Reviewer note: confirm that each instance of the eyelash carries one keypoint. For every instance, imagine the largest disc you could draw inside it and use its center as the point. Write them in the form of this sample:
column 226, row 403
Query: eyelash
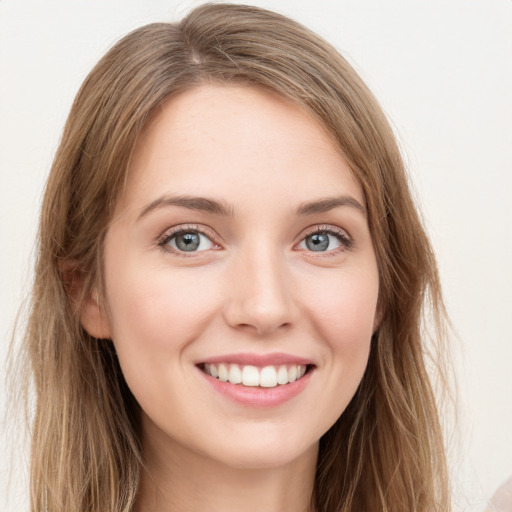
column 164, row 240
column 341, row 235
column 346, row 242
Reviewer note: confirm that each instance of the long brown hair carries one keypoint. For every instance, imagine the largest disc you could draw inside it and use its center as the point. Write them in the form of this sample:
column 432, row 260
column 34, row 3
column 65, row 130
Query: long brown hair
column 386, row 451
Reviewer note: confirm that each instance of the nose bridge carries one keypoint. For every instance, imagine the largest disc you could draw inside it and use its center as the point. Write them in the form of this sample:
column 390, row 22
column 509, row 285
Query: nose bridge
column 260, row 295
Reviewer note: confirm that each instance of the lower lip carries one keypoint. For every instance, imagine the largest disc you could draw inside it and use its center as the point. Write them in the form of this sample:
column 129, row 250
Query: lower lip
column 258, row 396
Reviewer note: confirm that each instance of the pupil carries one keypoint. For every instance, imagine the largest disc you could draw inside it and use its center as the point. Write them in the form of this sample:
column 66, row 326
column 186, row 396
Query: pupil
column 317, row 242
column 188, row 242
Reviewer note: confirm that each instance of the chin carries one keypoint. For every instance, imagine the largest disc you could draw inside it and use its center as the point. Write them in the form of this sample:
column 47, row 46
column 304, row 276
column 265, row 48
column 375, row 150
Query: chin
column 264, row 451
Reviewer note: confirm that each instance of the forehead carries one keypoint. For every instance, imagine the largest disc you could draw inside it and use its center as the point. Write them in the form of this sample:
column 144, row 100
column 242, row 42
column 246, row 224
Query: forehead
column 233, row 140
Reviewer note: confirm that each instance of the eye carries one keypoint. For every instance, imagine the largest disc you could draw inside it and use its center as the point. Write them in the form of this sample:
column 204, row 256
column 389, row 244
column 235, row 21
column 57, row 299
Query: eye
column 187, row 240
column 325, row 240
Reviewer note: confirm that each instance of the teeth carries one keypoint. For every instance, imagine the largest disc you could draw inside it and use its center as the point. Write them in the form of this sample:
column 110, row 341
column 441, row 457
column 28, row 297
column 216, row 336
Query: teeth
column 248, row 375
column 223, row 372
column 282, row 375
column 235, row 374
column 268, row 377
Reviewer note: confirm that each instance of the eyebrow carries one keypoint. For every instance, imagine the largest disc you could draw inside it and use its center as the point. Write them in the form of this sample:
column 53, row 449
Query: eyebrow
column 329, row 203
column 202, row 204
column 208, row 205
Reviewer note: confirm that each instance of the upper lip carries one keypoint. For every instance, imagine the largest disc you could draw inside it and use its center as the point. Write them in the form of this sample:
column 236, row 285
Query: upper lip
column 276, row 358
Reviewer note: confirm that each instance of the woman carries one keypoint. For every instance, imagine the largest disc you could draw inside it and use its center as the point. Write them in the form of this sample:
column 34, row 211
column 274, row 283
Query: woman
column 230, row 285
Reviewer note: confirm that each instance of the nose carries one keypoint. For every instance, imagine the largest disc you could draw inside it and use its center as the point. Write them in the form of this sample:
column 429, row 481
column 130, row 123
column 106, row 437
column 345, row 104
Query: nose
column 259, row 298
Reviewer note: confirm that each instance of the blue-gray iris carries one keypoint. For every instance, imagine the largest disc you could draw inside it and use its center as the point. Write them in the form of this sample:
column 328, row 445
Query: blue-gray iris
column 317, row 242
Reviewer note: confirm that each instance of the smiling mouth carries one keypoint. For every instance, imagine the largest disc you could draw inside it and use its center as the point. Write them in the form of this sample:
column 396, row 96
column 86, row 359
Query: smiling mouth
column 254, row 376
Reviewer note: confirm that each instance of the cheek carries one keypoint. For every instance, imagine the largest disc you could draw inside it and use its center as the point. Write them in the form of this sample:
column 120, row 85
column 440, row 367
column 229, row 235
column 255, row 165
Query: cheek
column 344, row 309
column 155, row 315
column 156, row 307
column 343, row 314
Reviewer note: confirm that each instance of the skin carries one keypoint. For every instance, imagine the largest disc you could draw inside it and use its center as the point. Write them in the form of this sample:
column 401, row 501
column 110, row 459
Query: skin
column 255, row 286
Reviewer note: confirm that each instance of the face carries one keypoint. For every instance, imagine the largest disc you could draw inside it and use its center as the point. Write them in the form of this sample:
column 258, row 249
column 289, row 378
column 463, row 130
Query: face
column 239, row 251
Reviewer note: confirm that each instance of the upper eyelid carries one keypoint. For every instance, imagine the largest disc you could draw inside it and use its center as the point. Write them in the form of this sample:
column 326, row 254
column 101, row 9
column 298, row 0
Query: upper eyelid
column 321, row 228
column 345, row 239
column 163, row 240
column 184, row 228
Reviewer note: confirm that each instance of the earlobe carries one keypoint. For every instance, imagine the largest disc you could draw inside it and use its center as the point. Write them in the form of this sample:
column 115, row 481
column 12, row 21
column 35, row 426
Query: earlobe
column 376, row 322
column 379, row 316
column 93, row 316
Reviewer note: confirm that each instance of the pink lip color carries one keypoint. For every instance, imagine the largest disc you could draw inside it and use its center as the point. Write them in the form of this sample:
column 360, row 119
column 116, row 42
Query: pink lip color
column 257, row 396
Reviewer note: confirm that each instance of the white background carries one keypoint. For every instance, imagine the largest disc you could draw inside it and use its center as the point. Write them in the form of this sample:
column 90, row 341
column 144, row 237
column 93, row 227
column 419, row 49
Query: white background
column 442, row 70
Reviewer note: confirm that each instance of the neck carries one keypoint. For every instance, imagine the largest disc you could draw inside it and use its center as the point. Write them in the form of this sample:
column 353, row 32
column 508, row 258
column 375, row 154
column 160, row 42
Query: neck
column 176, row 479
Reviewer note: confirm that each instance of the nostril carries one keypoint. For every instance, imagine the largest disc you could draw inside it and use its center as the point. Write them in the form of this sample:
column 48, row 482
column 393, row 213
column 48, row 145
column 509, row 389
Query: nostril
column 262, row 328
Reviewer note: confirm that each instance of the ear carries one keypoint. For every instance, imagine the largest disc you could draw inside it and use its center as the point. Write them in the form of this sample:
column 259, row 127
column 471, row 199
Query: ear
column 93, row 316
column 379, row 315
